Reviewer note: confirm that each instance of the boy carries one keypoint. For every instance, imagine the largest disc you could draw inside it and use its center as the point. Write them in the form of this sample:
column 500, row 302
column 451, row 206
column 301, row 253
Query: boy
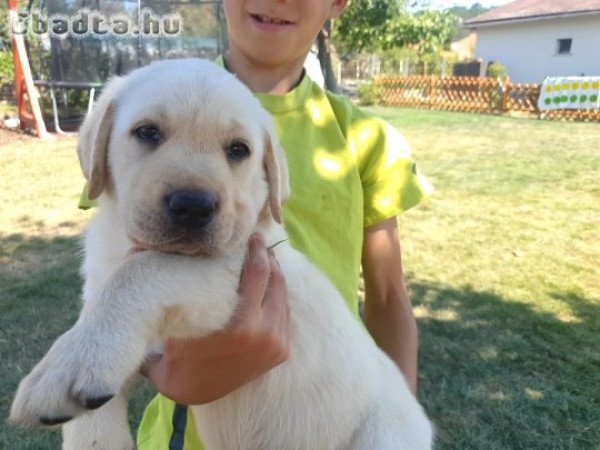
column 351, row 174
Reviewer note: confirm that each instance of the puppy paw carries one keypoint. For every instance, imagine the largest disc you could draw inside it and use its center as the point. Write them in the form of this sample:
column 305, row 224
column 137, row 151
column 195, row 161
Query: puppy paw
column 74, row 377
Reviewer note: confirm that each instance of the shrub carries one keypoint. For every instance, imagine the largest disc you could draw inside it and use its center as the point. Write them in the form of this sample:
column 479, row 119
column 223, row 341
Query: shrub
column 370, row 94
column 7, row 69
column 497, row 70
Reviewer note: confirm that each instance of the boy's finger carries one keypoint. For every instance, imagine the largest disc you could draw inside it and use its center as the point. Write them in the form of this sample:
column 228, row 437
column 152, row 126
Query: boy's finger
column 274, row 302
column 255, row 276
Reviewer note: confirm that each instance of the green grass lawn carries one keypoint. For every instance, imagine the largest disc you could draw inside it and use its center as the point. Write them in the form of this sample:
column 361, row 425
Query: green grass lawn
column 503, row 263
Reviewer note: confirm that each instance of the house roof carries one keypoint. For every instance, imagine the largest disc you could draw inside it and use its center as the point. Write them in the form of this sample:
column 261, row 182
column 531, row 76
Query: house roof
column 520, row 10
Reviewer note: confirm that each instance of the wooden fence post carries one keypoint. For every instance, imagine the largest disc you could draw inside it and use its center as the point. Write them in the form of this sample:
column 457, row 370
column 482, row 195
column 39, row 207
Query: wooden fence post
column 432, row 91
column 506, row 88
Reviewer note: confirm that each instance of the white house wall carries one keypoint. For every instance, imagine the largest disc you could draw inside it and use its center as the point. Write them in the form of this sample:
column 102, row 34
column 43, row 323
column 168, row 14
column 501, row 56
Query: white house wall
column 529, row 50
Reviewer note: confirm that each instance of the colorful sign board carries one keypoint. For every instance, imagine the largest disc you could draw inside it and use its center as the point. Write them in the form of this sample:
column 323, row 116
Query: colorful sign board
column 570, row 93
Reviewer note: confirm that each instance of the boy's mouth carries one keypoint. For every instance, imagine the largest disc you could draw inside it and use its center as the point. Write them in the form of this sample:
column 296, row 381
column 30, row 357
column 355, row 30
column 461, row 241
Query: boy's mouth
column 269, row 20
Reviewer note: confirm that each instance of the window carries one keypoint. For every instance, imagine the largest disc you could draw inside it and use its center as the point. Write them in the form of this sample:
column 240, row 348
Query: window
column 564, row 46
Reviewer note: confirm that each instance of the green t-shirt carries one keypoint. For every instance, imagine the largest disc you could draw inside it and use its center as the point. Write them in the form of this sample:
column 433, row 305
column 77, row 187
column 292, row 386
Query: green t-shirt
column 348, row 170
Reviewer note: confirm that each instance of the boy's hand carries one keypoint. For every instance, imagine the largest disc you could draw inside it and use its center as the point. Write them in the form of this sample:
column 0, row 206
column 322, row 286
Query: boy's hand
column 202, row 370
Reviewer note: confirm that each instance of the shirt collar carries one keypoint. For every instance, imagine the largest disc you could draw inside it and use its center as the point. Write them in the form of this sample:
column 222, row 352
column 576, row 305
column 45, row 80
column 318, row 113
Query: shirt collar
column 277, row 104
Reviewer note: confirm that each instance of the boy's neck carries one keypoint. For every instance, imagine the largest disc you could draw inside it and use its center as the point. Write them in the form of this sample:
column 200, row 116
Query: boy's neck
column 263, row 78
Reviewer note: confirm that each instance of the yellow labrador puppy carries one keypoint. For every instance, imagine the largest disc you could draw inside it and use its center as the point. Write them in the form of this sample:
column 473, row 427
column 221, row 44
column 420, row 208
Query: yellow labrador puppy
column 185, row 164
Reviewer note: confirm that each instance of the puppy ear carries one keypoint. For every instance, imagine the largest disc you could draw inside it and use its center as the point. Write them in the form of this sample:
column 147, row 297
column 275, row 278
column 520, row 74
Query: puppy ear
column 277, row 175
column 94, row 137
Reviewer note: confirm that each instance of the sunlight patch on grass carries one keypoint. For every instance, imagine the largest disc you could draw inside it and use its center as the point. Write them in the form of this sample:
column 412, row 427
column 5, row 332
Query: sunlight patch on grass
column 499, row 395
column 43, row 182
column 423, row 312
column 533, row 394
column 488, row 352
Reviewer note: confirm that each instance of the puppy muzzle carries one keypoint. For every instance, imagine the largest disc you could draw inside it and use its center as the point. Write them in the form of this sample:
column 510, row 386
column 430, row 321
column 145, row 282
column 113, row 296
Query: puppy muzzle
column 191, row 210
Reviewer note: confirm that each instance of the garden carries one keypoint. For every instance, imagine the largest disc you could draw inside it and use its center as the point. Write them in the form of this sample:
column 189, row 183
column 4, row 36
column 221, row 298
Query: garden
column 503, row 263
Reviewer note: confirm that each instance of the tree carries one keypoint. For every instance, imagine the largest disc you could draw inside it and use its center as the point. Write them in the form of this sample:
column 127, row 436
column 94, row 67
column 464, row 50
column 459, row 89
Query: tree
column 357, row 25
column 379, row 25
column 324, row 47
column 7, row 73
column 365, row 23
column 5, row 36
column 466, row 13
column 372, row 25
column 428, row 31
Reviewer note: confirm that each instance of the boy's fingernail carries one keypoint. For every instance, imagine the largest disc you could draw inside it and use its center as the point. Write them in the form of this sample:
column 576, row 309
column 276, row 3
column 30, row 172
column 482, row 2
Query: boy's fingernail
column 256, row 248
column 254, row 242
column 257, row 238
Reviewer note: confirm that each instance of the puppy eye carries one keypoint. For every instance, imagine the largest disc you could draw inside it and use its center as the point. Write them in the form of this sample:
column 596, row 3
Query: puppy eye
column 148, row 133
column 237, row 151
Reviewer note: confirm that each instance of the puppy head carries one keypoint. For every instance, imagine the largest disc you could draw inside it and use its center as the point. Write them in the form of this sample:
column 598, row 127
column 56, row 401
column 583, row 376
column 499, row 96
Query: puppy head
column 185, row 155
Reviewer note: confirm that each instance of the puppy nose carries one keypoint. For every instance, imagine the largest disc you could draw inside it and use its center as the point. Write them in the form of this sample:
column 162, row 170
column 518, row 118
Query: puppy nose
column 192, row 209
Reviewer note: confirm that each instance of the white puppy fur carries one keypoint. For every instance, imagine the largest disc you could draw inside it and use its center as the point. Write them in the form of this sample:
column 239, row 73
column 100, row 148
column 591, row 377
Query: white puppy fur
column 336, row 391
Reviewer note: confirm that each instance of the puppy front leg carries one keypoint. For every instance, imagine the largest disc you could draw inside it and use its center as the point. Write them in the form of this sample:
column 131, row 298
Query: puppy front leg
column 105, row 428
column 89, row 364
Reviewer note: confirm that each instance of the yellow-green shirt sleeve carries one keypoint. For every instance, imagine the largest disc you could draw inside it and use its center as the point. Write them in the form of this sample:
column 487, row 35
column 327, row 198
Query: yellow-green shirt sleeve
column 84, row 201
column 390, row 179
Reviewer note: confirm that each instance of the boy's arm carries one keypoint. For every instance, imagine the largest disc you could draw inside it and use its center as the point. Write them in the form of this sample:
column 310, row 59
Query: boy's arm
column 388, row 312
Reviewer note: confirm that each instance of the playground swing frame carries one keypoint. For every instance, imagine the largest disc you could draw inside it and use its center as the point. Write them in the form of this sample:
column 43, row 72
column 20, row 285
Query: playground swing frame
column 26, row 86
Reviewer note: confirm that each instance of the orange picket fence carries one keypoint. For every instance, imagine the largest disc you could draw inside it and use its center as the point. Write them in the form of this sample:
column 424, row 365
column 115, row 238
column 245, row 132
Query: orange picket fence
column 470, row 94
